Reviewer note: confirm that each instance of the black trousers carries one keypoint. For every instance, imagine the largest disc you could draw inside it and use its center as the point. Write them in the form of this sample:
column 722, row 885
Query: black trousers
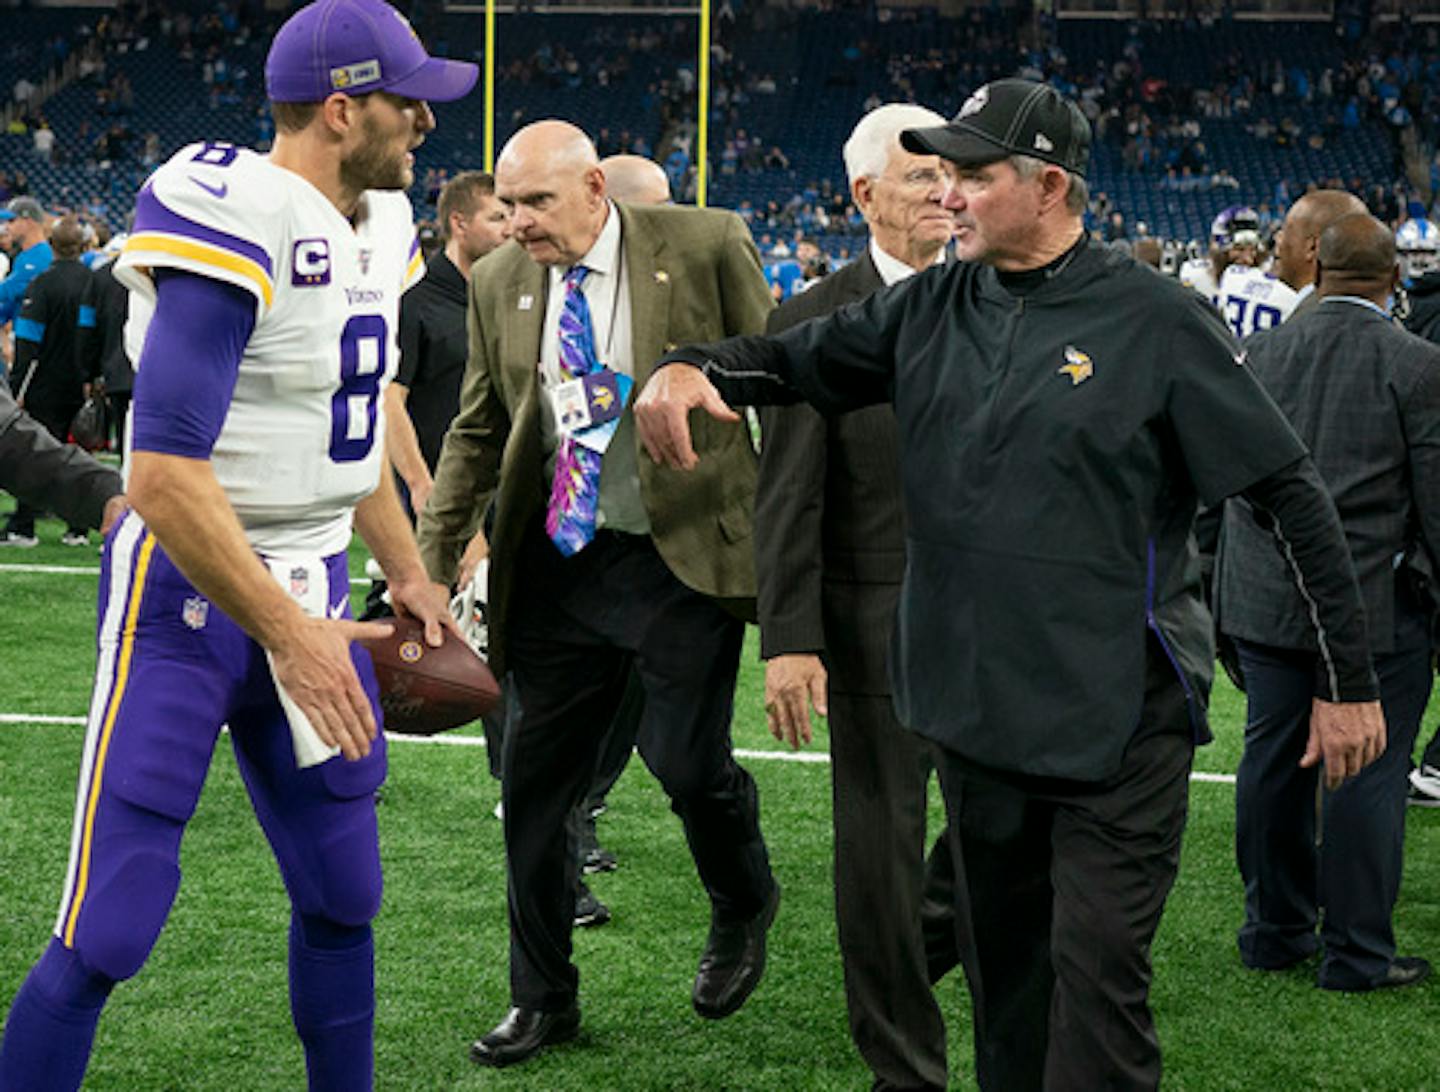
column 581, row 624
column 1063, row 884
column 120, row 407
column 891, row 953
column 57, row 422
column 619, row 742
column 1352, row 870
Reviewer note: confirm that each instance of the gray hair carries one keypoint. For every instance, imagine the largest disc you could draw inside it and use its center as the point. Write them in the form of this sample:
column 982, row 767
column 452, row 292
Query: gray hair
column 877, row 135
column 1076, row 201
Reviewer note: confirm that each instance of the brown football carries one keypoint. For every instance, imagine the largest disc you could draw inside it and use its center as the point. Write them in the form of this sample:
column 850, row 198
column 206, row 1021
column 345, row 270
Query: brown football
column 426, row 690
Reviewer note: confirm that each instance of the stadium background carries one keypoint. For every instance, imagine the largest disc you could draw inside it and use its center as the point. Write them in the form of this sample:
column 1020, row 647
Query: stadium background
column 1259, row 100
column 1197, row 105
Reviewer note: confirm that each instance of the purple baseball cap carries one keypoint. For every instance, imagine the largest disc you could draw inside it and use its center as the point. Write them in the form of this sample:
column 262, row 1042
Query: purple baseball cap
column 357, row 46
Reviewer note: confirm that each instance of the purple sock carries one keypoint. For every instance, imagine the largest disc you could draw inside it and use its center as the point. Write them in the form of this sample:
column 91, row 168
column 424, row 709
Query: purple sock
column 52, row 1024
column 332, row 1000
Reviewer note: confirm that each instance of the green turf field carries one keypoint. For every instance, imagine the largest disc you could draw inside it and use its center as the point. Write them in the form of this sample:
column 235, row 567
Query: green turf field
column 210, row 1012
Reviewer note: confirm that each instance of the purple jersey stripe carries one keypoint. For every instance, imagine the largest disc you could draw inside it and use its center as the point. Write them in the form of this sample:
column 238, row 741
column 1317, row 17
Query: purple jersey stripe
column 152, row 215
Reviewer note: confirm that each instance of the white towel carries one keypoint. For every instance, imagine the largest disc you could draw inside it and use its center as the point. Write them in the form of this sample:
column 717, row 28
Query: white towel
column 307, row 580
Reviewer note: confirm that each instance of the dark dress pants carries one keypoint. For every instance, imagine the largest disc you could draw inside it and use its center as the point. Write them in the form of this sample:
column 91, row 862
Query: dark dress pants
column 120, row 407
column 879, row 771
column 1354, row 871
column 1062, row 887
column 56, row 420
column 619, row 742
column 580, row 625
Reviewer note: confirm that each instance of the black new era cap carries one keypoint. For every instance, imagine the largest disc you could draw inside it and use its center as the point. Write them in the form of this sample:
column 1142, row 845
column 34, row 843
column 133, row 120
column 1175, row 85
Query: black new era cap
column 1009, row 117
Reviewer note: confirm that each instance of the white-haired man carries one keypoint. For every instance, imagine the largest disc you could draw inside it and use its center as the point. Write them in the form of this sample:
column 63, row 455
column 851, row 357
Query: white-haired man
column 830, row 555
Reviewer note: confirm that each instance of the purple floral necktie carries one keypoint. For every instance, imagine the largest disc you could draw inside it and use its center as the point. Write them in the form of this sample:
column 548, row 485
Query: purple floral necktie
column 575, row 490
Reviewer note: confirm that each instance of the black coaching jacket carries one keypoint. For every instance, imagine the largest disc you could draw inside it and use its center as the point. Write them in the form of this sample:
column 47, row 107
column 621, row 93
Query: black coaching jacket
column 1054, row 440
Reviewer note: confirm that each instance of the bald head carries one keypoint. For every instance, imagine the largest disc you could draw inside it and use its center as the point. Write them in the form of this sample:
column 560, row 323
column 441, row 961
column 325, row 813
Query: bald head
column 553, row 143
column 635, row 180
column 1298, row 245
column 548, row 176
column 1318, row 210
column 1356, row 257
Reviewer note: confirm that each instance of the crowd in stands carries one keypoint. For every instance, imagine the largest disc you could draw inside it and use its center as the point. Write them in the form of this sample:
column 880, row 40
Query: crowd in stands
column 1162, row 125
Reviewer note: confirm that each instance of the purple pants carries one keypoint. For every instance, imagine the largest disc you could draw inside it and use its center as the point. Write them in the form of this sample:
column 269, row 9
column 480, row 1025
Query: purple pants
column 172, row 669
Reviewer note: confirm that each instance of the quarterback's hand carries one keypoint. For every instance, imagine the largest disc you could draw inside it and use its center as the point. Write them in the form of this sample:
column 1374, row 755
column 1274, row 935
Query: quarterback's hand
column 313, row 665
column 426, row 602
column 662, row 413
column 793, row 683
column 420, row 491
column 1347, row 736
column 476, row 551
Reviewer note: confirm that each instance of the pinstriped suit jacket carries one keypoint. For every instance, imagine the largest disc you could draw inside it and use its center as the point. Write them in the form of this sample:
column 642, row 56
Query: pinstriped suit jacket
column 829, row 522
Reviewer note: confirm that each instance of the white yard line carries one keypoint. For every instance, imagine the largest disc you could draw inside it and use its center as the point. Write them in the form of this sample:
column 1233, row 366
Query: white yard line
column 94, row 570
column 63, row 570
column 813, row 758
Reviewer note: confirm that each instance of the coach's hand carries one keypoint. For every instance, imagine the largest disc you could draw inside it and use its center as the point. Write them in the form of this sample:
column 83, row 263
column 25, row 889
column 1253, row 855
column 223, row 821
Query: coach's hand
column 793, row 683
column 1347, row 736
column 313, row 664
column 662, row 413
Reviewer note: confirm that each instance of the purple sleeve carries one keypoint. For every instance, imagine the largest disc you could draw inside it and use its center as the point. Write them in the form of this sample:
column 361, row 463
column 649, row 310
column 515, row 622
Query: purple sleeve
column 187, row 368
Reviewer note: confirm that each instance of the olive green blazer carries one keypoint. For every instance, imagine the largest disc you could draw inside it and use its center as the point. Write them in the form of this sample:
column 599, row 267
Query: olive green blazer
column 694, row 276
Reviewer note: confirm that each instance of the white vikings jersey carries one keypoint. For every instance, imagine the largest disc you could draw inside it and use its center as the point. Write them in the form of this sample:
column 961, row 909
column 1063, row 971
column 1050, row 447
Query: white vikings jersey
column 1250, row 300
column 1195, row 273
column 303, row 440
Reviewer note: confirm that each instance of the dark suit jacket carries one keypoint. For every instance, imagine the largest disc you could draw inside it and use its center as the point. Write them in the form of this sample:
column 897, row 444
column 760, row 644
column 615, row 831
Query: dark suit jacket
column 828, row 515
column 694, row 275
column 1364, row 395
column 1304, row 307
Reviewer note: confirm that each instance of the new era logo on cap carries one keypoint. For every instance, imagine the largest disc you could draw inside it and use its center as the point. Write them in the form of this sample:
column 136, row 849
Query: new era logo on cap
column 975, row 103
column 1005, row 118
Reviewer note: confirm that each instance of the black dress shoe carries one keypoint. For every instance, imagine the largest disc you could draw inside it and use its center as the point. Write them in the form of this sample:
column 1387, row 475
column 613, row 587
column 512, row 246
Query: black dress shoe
column 1403, row 971
column 522, row 1033
column 733, row 962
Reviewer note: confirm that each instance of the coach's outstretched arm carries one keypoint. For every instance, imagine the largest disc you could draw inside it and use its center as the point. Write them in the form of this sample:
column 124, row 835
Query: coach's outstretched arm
column 39, row 469
column 842, row 361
